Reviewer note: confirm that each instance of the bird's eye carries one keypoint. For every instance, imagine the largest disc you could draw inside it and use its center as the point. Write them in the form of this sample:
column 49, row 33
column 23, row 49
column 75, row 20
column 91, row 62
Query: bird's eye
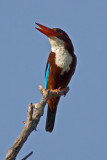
column 59, row 31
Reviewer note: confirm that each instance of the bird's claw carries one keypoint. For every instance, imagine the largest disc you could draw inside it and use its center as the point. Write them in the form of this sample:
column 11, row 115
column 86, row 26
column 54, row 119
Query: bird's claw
column 64, row 90
column 60, row 89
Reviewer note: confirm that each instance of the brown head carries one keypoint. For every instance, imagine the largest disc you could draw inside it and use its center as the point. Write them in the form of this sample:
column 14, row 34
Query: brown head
column 56, row 33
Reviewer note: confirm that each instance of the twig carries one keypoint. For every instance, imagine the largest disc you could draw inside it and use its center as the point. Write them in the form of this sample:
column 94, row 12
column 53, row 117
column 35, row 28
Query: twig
column 27, row 156
column 35, row 111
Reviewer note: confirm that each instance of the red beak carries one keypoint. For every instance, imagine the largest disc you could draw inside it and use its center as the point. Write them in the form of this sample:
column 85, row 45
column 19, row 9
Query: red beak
column 47, row 31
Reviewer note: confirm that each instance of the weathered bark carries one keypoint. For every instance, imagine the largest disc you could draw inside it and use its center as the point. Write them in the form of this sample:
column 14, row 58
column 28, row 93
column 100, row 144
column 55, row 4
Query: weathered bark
column 35, row 111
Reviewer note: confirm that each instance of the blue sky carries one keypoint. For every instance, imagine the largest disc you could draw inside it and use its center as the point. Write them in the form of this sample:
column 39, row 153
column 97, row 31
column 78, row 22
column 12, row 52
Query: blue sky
column 80, row 131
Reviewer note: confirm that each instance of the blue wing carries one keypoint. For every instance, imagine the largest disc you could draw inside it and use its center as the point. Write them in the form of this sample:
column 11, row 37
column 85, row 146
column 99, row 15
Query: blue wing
column 46, row 74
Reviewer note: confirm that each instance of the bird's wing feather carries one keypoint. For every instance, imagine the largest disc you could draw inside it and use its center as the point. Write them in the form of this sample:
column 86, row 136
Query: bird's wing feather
column 47, row 74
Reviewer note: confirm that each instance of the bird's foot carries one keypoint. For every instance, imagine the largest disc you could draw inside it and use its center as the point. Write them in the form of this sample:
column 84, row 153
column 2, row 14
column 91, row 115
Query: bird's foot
column 55, row 90
column 60, row 89
column 64, row 90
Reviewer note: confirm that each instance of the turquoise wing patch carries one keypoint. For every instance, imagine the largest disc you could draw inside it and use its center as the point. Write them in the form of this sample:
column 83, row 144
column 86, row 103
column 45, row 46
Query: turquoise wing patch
column 46, row 75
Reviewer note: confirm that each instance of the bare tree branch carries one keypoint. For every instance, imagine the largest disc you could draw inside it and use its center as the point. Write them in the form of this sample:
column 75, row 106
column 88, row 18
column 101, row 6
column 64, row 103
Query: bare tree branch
column 27, row 156
column 35, row 111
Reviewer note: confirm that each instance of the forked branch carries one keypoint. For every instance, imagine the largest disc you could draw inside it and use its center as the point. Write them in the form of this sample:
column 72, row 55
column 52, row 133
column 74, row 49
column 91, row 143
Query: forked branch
column 35, row 111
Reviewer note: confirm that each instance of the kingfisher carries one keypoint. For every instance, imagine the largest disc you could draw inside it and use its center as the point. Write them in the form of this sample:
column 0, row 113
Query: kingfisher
column 60, row 67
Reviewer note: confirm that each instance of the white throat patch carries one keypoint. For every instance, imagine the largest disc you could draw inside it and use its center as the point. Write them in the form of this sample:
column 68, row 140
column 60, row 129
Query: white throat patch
column 63, row 58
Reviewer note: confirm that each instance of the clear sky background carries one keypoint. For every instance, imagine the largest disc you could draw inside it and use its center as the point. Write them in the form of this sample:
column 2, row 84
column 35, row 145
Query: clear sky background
column 80, row 131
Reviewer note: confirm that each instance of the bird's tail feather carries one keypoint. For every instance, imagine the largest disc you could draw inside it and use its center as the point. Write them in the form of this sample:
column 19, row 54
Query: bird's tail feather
column 50, row 120
column 51, row 113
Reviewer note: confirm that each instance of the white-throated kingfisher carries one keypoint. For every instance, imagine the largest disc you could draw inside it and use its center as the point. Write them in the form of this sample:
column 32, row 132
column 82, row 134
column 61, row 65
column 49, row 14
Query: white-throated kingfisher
column 60, row 67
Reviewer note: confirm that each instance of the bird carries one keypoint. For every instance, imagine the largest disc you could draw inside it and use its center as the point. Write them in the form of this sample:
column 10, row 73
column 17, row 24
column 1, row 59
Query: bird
column 60, row 67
